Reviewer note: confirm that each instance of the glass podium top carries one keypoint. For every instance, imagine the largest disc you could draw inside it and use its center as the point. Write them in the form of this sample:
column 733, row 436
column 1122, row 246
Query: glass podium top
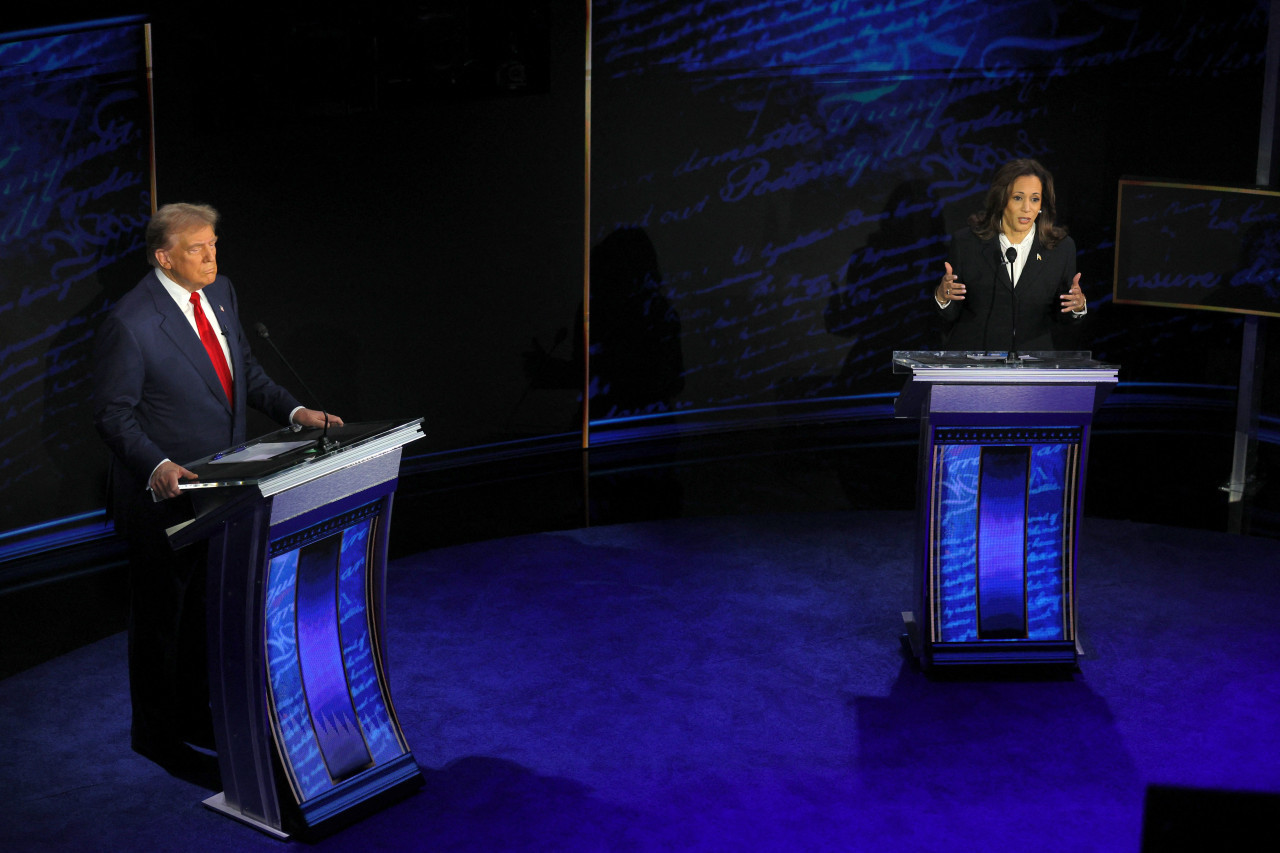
column 922, row 361
column 1000, row 382
column 294, row 453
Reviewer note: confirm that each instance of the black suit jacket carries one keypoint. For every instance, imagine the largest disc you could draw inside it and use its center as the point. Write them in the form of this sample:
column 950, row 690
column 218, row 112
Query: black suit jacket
column 984, row 319
column 156, row 394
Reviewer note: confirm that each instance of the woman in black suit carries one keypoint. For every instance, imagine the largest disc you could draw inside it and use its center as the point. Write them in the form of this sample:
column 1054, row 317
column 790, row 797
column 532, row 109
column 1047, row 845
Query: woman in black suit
column 1011, row 275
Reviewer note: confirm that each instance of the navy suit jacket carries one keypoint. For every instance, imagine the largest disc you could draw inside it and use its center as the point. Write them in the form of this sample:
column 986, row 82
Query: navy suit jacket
column 156, row 394
column 984, row 319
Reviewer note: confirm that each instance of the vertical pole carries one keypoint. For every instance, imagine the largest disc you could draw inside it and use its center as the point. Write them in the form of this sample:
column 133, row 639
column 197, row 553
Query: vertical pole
column 151, row 115
column 1266, row 133
column 586, row 293
column 1248, row 400
column 586, row 253
column 1249, row 393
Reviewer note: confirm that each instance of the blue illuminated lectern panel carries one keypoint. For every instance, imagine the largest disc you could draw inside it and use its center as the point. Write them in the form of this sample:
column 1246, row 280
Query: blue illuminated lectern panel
column 306, row 732
column 1000, row 560
column 330, row 708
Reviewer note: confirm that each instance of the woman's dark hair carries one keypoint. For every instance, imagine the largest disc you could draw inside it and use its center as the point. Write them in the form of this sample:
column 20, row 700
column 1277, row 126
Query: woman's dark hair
column 987, row 224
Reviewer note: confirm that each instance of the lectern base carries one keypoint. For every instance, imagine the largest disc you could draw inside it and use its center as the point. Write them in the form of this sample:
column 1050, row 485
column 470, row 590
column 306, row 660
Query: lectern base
column 218, row 802
column 979, row 653
column 911, row 637
column 346, row 803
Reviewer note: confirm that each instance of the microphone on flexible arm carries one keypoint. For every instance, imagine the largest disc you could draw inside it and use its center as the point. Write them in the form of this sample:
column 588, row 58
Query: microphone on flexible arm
column 326, row 443
column 1011, row 255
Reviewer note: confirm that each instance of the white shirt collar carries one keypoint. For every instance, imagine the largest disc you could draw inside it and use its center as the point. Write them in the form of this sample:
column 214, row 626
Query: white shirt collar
column 1023, row 247
column 180, row 294
column 182, row 297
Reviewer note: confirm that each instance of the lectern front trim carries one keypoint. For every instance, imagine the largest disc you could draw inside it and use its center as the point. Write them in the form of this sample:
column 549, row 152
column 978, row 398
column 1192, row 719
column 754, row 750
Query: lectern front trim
column 341, row 484
column 337, row 460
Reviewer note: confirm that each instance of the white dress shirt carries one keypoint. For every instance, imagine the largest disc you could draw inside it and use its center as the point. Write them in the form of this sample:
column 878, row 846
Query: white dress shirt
column 1023, row 249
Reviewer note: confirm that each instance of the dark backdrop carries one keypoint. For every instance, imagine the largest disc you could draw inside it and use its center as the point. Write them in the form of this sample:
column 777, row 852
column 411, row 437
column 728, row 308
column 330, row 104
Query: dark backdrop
column 402, row 192
column 401, row 218
column 799, row 166
column 402, row 187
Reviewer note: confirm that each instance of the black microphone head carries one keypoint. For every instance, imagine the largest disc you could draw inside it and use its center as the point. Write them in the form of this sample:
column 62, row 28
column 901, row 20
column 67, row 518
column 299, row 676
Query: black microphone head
column 1011, row 254
column 262, row 330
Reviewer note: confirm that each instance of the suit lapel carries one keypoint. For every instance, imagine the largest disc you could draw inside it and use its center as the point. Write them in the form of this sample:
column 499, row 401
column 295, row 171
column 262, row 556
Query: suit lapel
column 1035, row 266
column 174, row 326
column 1032, row 270
column 995, row 258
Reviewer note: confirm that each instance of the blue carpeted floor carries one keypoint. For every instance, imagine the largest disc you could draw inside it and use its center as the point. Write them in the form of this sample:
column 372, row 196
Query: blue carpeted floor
column 734, row 684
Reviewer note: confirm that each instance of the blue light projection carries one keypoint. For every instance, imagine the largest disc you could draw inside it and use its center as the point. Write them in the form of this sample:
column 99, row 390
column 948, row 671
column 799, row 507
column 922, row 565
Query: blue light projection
column 292, row 722
column 1049, row 502
column 382, row 738
column 1025, row 523
column 332, row 716
column 955, row 580
column 799, row 165
column 1002, row 543
column 75, row 195
column 320, row 653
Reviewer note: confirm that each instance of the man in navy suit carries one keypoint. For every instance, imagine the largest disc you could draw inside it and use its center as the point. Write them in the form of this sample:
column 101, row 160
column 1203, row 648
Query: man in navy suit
column 173, row 377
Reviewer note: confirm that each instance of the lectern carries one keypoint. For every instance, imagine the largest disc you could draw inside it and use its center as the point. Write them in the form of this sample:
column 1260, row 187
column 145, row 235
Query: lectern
column 297, row 523
column 1000, row 489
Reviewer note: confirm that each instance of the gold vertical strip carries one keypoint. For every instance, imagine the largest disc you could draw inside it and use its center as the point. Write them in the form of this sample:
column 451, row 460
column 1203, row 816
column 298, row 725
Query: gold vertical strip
column 375, row 586
column 151, row 113
column 1070, row 496
column 586, row 250
column 935, row 526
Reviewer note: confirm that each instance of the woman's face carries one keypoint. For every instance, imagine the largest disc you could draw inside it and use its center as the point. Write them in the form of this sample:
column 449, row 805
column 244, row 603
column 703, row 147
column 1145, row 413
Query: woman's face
column 1023, row 208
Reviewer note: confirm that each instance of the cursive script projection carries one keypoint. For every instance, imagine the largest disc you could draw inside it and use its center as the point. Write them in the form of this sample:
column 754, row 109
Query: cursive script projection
column 799, row 166
column 1199, row 247
column 74, row 200
column 291, row 717
column 1046, row 572
column 956, row 543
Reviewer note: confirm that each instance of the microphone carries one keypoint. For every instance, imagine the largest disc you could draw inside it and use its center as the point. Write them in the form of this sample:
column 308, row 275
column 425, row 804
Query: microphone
column 1011, row 255
column 326, row 443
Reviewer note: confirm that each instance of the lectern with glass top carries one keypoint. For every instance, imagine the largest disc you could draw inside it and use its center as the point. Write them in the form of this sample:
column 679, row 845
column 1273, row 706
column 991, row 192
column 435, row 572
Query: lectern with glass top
column 1000, row 490
column 297, row 523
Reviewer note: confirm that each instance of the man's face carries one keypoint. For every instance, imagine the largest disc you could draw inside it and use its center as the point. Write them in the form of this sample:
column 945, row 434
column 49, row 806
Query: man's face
column 192, row 259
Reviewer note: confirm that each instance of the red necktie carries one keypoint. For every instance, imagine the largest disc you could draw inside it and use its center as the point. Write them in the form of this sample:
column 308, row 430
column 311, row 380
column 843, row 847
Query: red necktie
column 211, row 345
